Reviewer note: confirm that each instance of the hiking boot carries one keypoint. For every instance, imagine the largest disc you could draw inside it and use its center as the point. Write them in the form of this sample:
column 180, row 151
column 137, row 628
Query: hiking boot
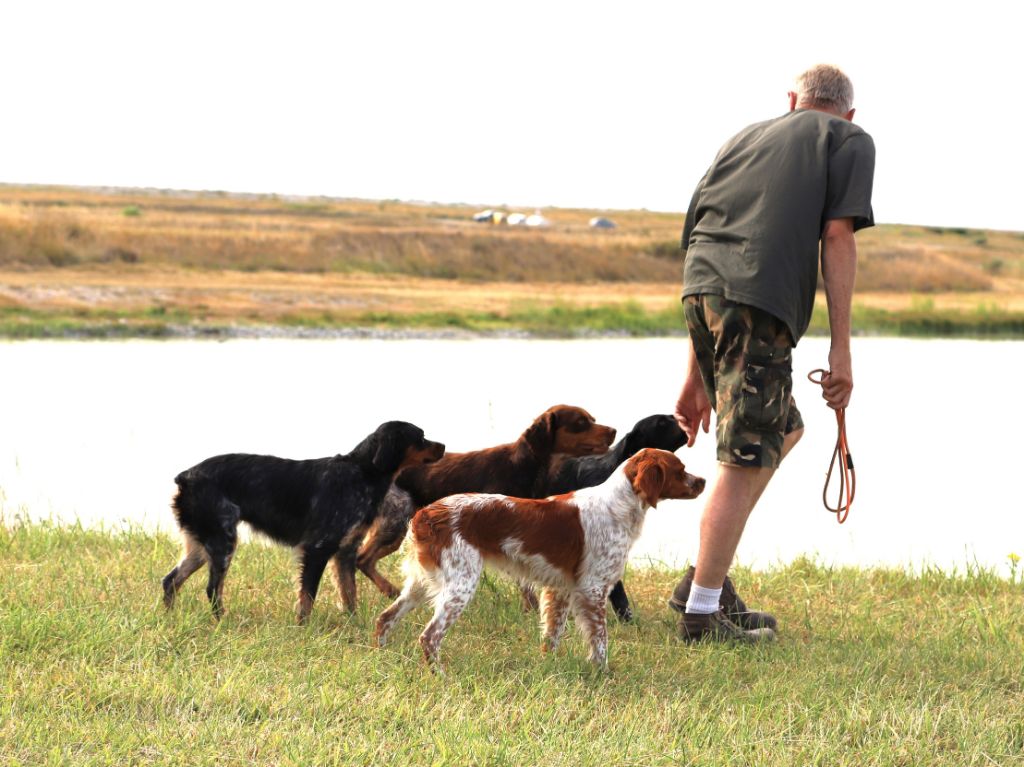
column 716, row 627
column 730, row 602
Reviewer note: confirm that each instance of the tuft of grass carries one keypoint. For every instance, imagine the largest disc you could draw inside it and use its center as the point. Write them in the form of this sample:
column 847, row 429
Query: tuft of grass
column 879, row 667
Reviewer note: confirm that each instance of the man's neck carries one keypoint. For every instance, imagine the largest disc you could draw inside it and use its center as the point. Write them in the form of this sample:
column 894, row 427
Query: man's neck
column 826, row 110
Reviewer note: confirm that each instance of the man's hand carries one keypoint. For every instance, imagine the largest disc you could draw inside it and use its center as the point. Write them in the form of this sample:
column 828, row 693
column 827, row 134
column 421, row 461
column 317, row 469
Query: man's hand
column 837, row 386
column 693, row 409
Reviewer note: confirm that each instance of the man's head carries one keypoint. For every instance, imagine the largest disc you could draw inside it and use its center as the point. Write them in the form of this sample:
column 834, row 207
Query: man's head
column 824, row 88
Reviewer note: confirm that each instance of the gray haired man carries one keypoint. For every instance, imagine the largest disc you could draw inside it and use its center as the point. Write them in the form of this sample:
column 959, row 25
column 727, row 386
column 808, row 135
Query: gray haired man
column 780, row 196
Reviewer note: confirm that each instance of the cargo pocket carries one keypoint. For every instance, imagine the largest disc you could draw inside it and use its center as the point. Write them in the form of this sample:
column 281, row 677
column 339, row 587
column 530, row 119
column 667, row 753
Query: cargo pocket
column 767, row 385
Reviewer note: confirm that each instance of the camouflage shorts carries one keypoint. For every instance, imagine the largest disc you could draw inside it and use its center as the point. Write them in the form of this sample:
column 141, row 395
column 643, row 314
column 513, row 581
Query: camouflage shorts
column 745, row 358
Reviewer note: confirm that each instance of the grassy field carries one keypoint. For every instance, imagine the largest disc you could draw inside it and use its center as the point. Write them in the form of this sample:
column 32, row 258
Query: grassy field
column 871, row 668
column 148, row 263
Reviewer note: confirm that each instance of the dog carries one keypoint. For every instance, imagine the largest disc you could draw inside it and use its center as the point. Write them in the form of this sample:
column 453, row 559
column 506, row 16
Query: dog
column 511, row 469
column 321, row 506
column 567, row 473
column 574, row 546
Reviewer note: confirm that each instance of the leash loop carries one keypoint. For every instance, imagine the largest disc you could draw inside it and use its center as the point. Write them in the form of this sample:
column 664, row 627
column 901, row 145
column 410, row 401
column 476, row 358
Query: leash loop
column 841, row 453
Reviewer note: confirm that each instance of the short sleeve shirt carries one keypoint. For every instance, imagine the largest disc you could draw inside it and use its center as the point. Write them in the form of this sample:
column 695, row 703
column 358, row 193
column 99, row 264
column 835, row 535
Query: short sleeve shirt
column 755, row 221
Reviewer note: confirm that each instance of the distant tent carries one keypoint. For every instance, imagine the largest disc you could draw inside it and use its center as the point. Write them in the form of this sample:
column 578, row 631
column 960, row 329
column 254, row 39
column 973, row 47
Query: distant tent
column 489, row 217
column 537, row 220
column 600, row 222
column 515, row 219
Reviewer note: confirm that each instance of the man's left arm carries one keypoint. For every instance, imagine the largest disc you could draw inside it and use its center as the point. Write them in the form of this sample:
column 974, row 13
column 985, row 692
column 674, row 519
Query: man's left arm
column 838, row 271
column 851, row 173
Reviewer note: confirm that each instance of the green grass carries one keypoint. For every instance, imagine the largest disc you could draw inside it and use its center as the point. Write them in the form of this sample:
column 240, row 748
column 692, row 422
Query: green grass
column 871, row 668
column 922, row 319
column 24, row 323
column 560, row 320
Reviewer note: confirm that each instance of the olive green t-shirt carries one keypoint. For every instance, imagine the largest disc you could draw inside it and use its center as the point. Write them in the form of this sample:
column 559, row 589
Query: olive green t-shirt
column 754, row 224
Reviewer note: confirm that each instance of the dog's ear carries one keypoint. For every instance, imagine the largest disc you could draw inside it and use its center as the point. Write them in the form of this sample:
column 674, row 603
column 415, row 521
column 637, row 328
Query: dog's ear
column 632, row 442
column 541, row 434
column 673, row 432
column 651, row 482
column 388, row 455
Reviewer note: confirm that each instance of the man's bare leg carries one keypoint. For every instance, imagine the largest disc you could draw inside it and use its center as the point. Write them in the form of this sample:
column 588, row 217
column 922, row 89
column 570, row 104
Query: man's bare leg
column 733, row 496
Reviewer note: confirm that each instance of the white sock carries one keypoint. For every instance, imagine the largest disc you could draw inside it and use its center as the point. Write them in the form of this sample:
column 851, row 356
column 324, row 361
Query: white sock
column 702, row 600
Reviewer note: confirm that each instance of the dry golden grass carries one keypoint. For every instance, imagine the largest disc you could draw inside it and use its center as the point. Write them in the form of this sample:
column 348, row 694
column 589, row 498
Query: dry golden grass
column 62, row 228
column 263, row 258
column 271, row 296
column 914, row 259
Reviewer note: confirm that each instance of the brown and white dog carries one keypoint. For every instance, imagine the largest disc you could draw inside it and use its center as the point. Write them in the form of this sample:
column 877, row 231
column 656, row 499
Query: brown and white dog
column 514, row 468
column 574, row 546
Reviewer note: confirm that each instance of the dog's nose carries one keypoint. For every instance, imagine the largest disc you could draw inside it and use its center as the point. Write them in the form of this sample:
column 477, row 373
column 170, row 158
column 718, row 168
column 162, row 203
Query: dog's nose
column 698, row 484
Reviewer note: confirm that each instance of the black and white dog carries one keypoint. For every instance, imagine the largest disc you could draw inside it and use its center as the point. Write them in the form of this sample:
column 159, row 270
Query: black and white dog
column 322, row 507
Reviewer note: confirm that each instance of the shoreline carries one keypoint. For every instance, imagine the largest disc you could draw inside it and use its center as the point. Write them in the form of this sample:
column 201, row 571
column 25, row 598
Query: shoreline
column 919, row 328
column 285, row 332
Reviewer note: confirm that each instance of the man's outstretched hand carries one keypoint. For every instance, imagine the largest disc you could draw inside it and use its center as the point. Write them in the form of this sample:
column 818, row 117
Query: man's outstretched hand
column 693, row 410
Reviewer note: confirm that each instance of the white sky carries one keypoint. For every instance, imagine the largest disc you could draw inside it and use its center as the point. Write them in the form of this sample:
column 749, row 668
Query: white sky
column 605, row 105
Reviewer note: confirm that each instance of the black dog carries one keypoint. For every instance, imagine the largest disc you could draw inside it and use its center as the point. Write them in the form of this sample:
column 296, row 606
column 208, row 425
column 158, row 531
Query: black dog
column 322, row 507
column 568, row 473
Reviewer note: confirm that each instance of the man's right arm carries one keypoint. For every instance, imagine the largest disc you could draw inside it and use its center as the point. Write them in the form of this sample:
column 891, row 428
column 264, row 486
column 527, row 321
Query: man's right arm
column 693, row 409
column 691, row 215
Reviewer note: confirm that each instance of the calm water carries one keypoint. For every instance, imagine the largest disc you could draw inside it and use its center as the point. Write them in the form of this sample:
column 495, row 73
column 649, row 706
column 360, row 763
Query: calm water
column 97, row 431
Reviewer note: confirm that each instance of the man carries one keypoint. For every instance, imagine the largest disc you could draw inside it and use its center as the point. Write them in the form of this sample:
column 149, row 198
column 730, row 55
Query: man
column 778, row 193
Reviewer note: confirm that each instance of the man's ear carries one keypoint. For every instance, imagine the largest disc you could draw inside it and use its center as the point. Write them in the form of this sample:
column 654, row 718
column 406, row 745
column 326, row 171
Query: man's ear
column 793, row 96
column 849, row 115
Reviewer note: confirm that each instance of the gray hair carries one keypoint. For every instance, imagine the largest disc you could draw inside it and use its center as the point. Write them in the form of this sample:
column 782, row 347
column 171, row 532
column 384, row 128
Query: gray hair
column 825, row 86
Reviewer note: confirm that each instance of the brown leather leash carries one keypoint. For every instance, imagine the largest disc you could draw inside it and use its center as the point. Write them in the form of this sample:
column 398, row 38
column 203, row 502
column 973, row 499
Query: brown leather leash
column 847, row 475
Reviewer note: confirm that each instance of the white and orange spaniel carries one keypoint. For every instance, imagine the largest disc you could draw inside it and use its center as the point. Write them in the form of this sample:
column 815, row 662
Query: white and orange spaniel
column 574, row 546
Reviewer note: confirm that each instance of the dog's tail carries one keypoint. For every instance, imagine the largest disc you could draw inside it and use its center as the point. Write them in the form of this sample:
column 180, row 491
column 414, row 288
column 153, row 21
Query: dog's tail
column 414, row 570
column 182, row 504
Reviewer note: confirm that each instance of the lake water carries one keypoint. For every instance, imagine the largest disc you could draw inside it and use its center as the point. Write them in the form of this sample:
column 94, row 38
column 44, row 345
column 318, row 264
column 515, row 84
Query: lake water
column 96, row 431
